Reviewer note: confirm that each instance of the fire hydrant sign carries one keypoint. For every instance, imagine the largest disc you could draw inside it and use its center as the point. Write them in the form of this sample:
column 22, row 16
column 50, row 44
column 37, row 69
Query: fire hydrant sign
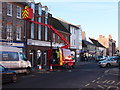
column 27, row 13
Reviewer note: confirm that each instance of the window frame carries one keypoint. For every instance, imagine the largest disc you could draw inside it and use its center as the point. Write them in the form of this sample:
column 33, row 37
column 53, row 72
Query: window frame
column 9, row 9
column 18, row 33
column 9, row 32
column 19, row 12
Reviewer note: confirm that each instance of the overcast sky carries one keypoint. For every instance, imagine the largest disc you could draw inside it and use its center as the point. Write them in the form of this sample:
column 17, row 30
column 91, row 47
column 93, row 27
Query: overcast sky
column 96, row 17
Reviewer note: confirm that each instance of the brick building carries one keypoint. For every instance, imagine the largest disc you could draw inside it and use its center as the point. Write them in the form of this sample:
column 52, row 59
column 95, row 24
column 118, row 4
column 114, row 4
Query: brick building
column 12, row 30
column 109, row 43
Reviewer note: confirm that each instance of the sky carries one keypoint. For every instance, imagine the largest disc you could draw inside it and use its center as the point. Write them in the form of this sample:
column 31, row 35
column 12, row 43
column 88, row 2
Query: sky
column 96, row 17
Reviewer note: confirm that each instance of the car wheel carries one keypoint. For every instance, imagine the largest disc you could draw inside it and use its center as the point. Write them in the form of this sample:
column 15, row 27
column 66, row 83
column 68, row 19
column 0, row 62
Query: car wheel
column 28, row 71
column 108, row 65
column 14, row 78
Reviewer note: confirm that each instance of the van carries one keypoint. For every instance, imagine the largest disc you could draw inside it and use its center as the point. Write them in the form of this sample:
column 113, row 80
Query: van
column 13, row 58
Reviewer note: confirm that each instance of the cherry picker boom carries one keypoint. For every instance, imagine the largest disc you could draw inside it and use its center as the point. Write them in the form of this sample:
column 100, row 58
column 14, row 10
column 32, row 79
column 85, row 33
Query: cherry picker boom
column 57, row 57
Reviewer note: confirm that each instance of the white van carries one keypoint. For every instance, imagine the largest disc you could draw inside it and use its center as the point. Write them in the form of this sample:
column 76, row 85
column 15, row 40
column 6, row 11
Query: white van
column 13, row 58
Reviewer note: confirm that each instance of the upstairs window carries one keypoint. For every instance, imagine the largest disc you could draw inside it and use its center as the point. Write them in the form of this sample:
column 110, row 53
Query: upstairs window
column 18, row 12
column 9, row 31
column 18, row 33
column 9, row 9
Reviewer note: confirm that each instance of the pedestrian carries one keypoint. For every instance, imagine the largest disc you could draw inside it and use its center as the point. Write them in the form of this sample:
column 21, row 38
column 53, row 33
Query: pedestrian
column 85, row 57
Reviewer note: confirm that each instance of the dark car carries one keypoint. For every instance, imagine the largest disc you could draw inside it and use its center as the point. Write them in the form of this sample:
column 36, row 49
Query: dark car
column 7, row 75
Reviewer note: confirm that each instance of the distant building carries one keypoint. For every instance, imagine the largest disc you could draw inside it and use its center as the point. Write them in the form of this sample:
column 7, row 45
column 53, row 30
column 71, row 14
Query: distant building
column 83, row 35
column 99, row 49
column 75, row 37
column 103, row 40
column 109, row 43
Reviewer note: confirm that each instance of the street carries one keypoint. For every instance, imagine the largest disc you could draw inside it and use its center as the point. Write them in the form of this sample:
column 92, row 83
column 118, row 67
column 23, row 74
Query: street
column 84, row 75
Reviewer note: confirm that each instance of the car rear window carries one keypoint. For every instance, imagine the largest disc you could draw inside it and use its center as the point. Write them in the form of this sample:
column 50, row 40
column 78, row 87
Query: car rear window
column 9, row 56
column 100, row 56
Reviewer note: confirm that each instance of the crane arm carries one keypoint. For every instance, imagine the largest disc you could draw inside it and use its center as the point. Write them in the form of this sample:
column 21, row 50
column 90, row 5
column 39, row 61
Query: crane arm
column 54, row 30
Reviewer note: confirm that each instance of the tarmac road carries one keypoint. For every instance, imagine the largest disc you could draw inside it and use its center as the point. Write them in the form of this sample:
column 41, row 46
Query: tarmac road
column 84, row 75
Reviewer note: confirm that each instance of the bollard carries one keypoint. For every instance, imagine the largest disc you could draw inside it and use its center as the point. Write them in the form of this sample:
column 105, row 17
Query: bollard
column 51, row 69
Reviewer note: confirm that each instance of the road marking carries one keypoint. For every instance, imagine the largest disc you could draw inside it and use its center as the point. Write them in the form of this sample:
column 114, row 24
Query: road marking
column 93, row 81
column 108, row 82
column 98, row 82
column 118, row 83
column 100, row 86
column 112, row 82
column 112, row 88
column 102, row 76
column 106, row 72
column 98, row 78
column 87, row 84
column 105, row 85
column 105, row 81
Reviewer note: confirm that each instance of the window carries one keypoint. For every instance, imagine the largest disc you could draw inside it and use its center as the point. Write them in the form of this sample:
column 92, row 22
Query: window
column 2, row 68
column 9, row 56
column 9, row 31
column 32, row 31
column 46, row 29
column 9, row 9
column 18, row 12
column 18, row 33
column 58, row 39
column 46, row 33
column 53, row 37
column 23, row 57
column 39, row 29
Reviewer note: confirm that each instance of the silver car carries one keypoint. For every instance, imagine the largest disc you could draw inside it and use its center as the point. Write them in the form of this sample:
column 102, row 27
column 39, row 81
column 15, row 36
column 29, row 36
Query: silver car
column 111, row 61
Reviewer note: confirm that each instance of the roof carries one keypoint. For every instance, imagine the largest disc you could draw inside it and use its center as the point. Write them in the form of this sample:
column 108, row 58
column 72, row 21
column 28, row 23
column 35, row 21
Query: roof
column 57, row 25
column 85, row 43
column 96, row 43
column 77, row 26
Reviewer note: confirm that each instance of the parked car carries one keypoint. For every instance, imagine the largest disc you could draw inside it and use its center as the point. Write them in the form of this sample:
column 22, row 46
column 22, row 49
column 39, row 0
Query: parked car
column 111, row 61
column 14, row 59
column 7, row 75
column 100, row 58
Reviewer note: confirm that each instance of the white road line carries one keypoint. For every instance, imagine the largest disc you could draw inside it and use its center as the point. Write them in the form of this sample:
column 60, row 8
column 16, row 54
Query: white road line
column 118, row 83
column 108, row 82
column 105, row 81
column 98, row 82
column 105, row 85
column 98, row 78
column 100, row 86
column 113, row 87
column 112, row 82
column 102, row 76
column 87, row 84
column 106, row 71
column 93, row 81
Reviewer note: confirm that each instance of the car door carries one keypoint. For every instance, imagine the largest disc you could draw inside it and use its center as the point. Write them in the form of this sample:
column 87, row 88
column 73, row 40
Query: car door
column 114, row 61
column 6, row 76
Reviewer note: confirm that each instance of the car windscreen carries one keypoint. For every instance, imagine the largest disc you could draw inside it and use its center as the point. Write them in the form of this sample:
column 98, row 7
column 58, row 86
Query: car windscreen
column 23, row 57
column 66, row 52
